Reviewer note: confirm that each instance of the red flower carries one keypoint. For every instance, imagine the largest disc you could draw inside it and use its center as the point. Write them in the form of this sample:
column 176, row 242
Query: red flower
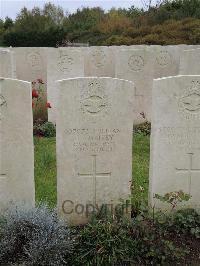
column 48, row 105
column 35, row 93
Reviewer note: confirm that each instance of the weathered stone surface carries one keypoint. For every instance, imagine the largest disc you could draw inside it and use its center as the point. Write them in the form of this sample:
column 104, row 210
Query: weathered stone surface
column 166, row 60
column 16, row 144
column 7, row 63
column 62, row 63
column 99, row 61
column 31, row 63
column 94, row 144
column 136, row 65
column 190, row 62
column 175, row 139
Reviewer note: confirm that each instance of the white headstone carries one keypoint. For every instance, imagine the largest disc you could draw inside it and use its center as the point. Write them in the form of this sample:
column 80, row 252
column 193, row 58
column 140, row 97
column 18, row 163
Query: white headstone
column 99, row 61
column 175, row 140
column 30, row 63
column 166, row 60
column 7, row 64
column 136, row 65
column 62, row 63
column 16, row 144
column 190, row 62
column 94, row 144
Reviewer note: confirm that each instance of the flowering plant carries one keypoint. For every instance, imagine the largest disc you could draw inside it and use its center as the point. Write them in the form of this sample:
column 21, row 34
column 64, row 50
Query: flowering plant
column 39, row 102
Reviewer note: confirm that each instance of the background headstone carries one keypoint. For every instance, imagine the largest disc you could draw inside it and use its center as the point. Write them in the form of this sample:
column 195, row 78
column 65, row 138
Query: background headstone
column 190, row 62
column 175, row 139
column 31, row 63
column 94, row 137
column 7, row 63
column 136, row 65
column 166, row 60
column 62, row 63
column 16, row 144
column 31, row 66
column 99, row 61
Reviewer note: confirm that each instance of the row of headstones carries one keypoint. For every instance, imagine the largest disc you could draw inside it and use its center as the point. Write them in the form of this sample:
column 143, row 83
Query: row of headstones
column 140, row 64
column 94, row 143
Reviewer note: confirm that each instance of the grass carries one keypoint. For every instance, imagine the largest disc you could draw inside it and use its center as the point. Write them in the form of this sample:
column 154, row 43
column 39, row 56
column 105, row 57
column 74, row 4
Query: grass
column 45, row 169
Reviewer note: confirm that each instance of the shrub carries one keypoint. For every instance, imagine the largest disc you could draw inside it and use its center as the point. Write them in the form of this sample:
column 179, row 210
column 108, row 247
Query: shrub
column 184, row 221
column 34, row 237
column 122, row 242
column 144, row 128
column 46, row 129
column 104, row 242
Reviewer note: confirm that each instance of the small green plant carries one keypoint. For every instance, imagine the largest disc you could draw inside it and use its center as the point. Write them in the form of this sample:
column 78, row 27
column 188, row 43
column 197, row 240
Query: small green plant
column 104, row 242
column 174, row 198
column 144, row 128
column 46, row 129
column 184, row 221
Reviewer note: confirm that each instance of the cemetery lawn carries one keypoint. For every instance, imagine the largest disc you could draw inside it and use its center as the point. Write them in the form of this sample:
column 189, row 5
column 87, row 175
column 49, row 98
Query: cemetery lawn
column 45, row 169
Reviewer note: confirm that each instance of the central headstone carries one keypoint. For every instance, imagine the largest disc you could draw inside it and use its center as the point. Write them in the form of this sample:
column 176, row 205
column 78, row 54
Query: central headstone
column 16, row 144
column 94, row 137
column 175, row 140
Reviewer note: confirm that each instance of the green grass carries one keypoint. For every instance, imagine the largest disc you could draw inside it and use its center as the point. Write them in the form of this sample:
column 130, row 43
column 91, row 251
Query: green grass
column 45, row 169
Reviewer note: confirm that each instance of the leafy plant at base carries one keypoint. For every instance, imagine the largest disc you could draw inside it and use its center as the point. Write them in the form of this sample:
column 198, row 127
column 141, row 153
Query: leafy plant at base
column 124, row 242
column 143, row 128
column 185, row 222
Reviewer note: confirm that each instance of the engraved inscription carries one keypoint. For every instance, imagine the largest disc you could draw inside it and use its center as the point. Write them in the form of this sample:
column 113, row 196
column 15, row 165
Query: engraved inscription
column 94, row 174
column 96, row 140
column 164, row 58
column 136, row 62
column 94, row 100
column 34, row 61
column 180, row 136
column 190, row 170
column 65, row 62
column 99, row 58
column 189, row 102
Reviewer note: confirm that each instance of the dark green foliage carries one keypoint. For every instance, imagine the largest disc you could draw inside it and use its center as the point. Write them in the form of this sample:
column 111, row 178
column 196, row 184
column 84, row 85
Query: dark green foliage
column 171, row 22
column 144, row 128
column 185, row 221
column 104, row 242
column 46, row 129
column 140, row 241
column 34, row 38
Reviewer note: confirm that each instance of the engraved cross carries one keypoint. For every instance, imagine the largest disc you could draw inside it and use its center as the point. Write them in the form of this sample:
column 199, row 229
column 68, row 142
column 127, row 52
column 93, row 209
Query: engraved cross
column 189, row 170
column 94, row 174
